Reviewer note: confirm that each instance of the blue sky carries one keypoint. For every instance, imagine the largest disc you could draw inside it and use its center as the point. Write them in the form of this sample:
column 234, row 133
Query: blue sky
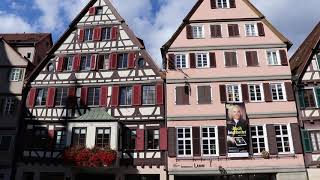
column 152, row 20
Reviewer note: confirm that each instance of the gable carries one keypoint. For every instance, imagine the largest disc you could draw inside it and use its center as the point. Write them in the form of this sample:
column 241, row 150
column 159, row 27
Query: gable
column 10, row 57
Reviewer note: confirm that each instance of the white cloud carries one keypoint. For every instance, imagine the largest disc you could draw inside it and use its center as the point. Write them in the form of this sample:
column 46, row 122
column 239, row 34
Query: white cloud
column 11, row 23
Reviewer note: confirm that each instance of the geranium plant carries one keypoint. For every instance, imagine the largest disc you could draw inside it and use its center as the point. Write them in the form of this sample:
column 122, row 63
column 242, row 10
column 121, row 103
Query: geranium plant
column 85, row 157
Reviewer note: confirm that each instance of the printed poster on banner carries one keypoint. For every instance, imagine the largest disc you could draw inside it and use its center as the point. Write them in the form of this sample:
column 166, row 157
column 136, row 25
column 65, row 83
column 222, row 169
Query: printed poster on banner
column 237, row 130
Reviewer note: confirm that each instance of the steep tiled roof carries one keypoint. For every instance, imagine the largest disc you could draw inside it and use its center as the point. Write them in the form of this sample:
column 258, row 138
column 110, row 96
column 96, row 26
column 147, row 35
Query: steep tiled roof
column 24, row 37
column 304, row 53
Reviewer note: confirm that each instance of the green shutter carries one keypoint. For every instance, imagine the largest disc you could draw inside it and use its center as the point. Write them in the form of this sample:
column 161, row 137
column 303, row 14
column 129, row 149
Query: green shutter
column 301, row 99
column 306, row 141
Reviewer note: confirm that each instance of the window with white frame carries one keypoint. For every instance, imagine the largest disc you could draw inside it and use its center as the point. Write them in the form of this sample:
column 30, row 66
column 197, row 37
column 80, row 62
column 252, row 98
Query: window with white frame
column 184, row 138
column 5, row 143
column 41, row 95
column 181, row 61
column 202, row 60
column 233, row 93
column 85, row 63
column 61, row 96
column 106, row 33
column 148, row 95
column 125, row 96
column 209, row 141
column 88, row 34
column 273, row 58
column 251, row 29
column 68, row 63
column 93, row 96
column 103, row 137
column 60, row 139
column 79, row 136
column 223, row 4
column 197, row 31
column 277, row 90
column 282, row 138
column 255, row 92
column 8, row 106
column 153, row 138
column 122, row 61
column 16, row 74
column 259, row 139
column 315, row 139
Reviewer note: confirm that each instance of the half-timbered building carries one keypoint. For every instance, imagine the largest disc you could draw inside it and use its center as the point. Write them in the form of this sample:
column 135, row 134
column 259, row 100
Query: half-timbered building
column 19, row 54
column 97, row 87
column 305, row 67
column 227, row 57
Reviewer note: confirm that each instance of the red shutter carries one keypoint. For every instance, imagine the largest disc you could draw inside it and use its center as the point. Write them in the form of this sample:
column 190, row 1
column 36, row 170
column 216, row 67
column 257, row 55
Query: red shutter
column 76, row 63
column 245, row 92
column 159, row 92
column 261, row 29
column 60, row 64
column 171, row 64
column 236, row 29
column 213, row 4
column 51, row 97
column 163, row 139
column 115, row 96
column 230, row 30
column 84, row 96
column 192, row 58
column 31, row 97
column 189, row 32
column 97, row 34
column 103, row 96
column 136, row 95
column 222, row 140
column 114, row 33
column 71, row 96
column 196, row 141
column 267, row 92
column 81, row 35
column 113, row 61
column 140, row 140
column 213, row 63
column 93, row 63
column 223, row 96
column 92, row 11
column 283, row 57
column 132, row 58
column 232, row 4
column 172, row 141
column 289, row 91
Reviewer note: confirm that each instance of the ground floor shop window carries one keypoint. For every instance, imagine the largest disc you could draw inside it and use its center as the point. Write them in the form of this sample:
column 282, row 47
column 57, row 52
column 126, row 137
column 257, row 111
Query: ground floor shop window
column 142, row 177
column 229, row 177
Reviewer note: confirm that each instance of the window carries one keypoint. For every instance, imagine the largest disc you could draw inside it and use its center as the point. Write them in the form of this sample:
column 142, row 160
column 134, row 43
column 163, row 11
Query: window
column 61, row 96
column 231, row 59
column 5, row 143
column 259, row 140
column 122, row 61
column 277, row 92
column 252, row 58
column 29, row 55
column 152, row 139
column 60, row 139
column 197, row 32
column 8, row 106
column 50, row 67
column 99, row 10
column 181, row 61
column 88, row 34
column 93, row 96
column 103, row 137
column 16, row 74
column 40, row 138
column 148, row 95
column 130, row 139
column 309, row 98
column 184, row 144
column 215, row 31
column 182, row 95
column 282, row 137
column 141, row 63
column 79, row 136
column 204, row 94
column 103, row 61
column 255, row 92
column 202, row 60
column 209, row 141
column 273, row 58
column 85, row 63
column 251, row 29
column 68, row 63
column 41, row 97
column 125, row 95
column 233, row 93
column 315, row 139
column 223, row 4
column 106, row 33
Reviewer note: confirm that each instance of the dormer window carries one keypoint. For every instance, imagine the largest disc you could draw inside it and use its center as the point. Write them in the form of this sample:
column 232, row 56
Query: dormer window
column 223, row 4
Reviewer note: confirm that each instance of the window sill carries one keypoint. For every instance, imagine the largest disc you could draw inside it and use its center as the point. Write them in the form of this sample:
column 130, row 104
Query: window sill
column 256, row 101
column 274, row 65
column 232, row 66
column 254, row 66
column 125, row 105
column 40, row 106
column 252, row 36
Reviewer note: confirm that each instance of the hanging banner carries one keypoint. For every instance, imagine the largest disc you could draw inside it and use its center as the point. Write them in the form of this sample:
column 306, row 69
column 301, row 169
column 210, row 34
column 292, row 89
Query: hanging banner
column 237, row 130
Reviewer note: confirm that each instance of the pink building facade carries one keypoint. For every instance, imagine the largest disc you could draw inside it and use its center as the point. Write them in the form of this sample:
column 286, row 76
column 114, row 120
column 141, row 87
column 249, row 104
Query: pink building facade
column 224, row 53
